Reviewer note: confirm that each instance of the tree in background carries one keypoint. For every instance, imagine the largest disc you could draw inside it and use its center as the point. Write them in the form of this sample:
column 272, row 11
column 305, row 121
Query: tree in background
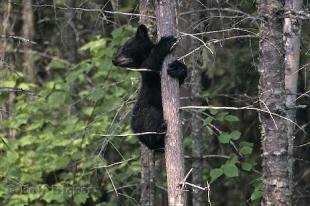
column 272, row 101
column 28, row 33
column 196, row 119
column 292, row 34
column 147, row 197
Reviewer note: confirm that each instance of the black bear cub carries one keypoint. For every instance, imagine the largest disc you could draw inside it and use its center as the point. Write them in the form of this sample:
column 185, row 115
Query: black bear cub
column 140, row 53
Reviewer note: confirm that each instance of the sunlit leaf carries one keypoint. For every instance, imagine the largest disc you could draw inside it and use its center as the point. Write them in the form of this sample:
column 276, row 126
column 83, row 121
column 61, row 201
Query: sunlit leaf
column 230, row 170
column 216, row 173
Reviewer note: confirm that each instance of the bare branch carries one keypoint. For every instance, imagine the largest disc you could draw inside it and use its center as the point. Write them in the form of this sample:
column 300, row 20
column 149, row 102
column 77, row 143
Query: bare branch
column 244, row 108
column 17, row 38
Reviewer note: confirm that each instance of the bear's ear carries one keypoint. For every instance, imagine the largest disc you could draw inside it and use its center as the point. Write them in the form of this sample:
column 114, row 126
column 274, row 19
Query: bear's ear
column 142, row 31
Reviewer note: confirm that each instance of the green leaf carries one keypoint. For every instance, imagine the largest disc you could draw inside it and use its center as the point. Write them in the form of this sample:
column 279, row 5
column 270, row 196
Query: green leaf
column 232, row 118
column 50, row 84
column 258, row 183
column 256, row 195
column 4, row 142
column 216, row 173
column 245, row 150
column 30, row 177
column 19, row 120
column 220, row 116
column 88, row 110
column 34, row 196
column 94, row 45
column 235, row 135
column 26, row 86
column 56, row 98
column 233, row 159
column 207, row 121
column 78, row 72
column 246, row 166
column 8, row 83
column 230, row 170
column 249, row 144
column 35, row 125
column 61, row 162
column 53, row 195
column 57, row 63
column 96, row 94
column 213, row 111
column 80, row 198
column 224, row 138
column 11, row 156
column 19, row 200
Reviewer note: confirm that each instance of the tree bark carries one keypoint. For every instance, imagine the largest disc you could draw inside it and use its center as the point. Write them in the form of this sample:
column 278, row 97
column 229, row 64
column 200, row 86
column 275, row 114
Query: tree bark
column 6, row 29
column 292, row 33
column 69, row 34
column 166, row 24
column 272, row 99
column 28, row 33
column 70, row 45
column 147, row 197
column 196, row 118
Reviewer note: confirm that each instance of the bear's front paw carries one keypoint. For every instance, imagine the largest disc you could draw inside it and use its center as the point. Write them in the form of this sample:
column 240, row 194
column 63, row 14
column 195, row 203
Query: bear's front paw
column 178, row 70
column 166, row 44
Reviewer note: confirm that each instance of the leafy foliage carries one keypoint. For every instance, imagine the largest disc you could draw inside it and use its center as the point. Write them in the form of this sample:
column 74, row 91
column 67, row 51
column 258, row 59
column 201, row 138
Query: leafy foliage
column 61, row 157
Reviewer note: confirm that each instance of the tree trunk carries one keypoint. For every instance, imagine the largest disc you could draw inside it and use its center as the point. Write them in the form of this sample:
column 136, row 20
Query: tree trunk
column 28, row 33
column 69, row 34
column 292, row 32
column 196, row 118
column 272, row 99
column 147, row 177
column 147, row 197
column 6, row 29
column 166, row 24
column 70, row 45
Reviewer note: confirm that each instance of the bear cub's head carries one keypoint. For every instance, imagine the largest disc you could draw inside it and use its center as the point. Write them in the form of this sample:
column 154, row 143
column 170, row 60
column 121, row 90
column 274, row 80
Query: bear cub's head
column 135, row 50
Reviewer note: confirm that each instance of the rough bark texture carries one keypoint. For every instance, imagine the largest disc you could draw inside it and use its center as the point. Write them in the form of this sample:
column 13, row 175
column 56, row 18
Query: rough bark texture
column 6, row 29
column 196, row 118
column 147, row 177
column 292, row 32
column 272, row 99
column 28, row 33
column 70, row 44
column 147, row 156
column 146, row 8
column 166, row 24
column 69, row 33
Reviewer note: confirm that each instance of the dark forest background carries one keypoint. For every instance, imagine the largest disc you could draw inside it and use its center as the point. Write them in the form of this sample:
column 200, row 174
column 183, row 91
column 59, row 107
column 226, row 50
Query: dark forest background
column 65, row 109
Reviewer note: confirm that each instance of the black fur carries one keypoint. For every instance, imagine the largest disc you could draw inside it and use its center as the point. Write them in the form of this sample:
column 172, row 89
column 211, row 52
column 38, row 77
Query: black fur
column 139, row 52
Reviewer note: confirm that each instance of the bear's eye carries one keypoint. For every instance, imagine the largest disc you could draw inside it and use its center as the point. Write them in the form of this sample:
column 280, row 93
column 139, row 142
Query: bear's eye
column 126, row 49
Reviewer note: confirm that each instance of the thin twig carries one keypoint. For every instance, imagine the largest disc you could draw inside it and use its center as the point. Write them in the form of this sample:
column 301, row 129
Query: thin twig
column 130, row 134
column 243, row 108
column 112, row 181
column 17, row 38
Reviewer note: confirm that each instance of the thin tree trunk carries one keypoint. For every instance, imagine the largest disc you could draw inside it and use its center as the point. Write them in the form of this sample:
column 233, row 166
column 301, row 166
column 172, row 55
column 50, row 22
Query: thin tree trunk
column 272, row 99
column 69, row 33
column 147, row 197
column 292, row 32
column 6, row 29
column 196, row 118
column 70, row 45
column 28, row 33
column 166, row 24
column 147, row 177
